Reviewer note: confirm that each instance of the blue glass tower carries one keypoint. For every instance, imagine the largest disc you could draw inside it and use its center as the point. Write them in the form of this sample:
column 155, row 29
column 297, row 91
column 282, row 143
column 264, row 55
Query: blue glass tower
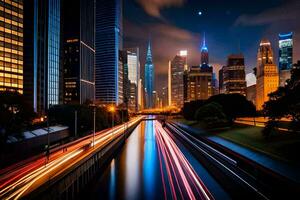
column 42, row 53
column 286, row 51
column 108, row 69
column 149, row 78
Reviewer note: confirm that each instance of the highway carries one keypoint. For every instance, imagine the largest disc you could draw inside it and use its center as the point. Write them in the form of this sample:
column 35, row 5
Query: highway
column 241, row 177
column 22, row 178
column 155, row 165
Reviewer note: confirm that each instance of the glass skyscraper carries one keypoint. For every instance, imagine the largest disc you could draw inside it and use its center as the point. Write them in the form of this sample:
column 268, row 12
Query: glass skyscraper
column 109, row 36
column 285, row 51
column 133, row 62
column 285, row 57
column 42, row 53
column 149, row 78
column 79, row 51
column 11, row 45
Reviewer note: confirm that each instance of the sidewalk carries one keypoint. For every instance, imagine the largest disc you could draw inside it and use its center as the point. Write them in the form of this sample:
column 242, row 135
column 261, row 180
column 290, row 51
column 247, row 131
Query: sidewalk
column 289, row 171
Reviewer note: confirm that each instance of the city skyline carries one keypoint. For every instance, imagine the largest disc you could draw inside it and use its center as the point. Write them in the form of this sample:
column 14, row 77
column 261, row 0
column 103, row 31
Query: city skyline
column 235, row 32
column 149, row 99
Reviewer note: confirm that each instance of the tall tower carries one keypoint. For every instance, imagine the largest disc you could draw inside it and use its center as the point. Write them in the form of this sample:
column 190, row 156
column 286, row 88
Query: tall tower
column 204, row 53
column 108, row 43
column 178, row 66
column 285, row 56
column 42, row 54
column 149, row 78
column 267, row 76
column 11, row 46
column 234, row 77
column 79, row 51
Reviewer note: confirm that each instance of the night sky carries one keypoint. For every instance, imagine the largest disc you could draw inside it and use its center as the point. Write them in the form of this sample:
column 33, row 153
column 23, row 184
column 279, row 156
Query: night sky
column 231, row 26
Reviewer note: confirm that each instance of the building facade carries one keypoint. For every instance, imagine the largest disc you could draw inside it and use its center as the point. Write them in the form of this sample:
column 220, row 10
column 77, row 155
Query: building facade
column 109, row 42
column 199, row 83
column 285, row 56
column 234, row 77
column 42, row 54
column 149, row 79
column 267, row 75
column 134, row 77
column 178, row 67
column 79, row 51
column 11, row 46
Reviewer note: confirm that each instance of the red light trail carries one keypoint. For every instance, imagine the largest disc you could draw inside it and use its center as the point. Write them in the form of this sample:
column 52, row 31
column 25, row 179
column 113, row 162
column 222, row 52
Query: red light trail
column 182, row 178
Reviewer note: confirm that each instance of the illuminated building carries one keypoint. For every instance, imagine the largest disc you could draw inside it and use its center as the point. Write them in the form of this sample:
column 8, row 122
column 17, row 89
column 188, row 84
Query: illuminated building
column 11, row 46
column 140, row 95
column 79, row 51
column 178, row 66
column 42, row 54
column 234, row 78
column 109, row 42
column 124, row 83
column 251, row 93
column 199, row 83
column 149, row 79
column 204, row 53
column 134, row 77
column 221, row 90
column 285, row 56
column 267, row 76
column 164, row 97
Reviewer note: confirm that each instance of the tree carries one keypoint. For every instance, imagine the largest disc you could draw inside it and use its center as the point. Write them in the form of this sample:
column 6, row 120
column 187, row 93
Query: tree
column 15, row 114
column 285, row 100
column 234, row 105
column 190, row 108
column 212, row 115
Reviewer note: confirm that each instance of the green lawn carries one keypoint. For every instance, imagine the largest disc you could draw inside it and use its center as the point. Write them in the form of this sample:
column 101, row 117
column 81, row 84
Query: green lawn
column 284, row 146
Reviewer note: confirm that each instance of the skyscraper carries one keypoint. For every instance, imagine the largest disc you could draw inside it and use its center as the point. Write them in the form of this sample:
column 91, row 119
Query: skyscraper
column 234, row 78
column 178, row 66
column 133, row 76
column 42, row 53
column 199, row 83
column 11, row 46
column 285, row 56
column 109, row 36
column 79, row 51
column 149, row 79
column 267, row 76
column 285, row 51
column 204, row 53
column 199, row 79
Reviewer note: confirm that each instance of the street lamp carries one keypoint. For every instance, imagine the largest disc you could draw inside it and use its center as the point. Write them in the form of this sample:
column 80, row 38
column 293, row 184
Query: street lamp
column 112, row 109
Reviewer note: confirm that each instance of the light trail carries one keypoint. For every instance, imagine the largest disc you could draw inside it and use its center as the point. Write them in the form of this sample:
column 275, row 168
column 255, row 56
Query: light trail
column 25, row 179
column 187, row 183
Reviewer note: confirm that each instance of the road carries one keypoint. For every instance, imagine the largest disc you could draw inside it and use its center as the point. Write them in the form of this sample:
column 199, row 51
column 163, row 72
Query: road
column 22, row 178
column 154, row 165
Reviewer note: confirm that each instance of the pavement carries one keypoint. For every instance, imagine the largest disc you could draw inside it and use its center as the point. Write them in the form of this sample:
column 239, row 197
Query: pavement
column 289, row 171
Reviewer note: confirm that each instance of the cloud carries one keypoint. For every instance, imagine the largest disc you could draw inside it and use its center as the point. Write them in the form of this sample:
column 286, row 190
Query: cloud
column 167, row 40
column 250, row 79
column 281, row 19
column 286, row 12
column 153, row 7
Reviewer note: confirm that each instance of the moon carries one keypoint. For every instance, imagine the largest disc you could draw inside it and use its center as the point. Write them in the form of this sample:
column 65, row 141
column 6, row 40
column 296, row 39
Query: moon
column 199, row 13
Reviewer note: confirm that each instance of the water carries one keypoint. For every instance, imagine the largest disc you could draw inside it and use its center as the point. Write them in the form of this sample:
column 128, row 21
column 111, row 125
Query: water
column 135, row 172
